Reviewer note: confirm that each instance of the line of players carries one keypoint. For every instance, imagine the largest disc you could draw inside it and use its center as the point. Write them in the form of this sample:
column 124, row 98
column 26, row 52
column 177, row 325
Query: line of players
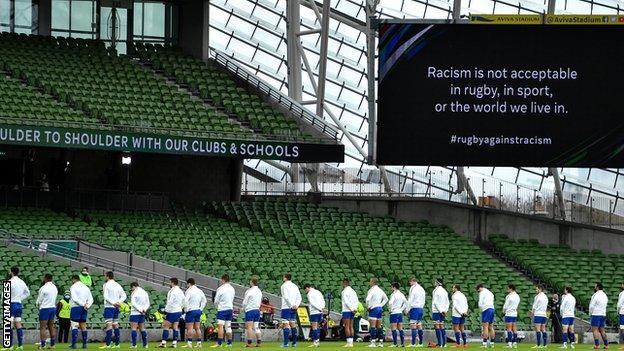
column 192, row 302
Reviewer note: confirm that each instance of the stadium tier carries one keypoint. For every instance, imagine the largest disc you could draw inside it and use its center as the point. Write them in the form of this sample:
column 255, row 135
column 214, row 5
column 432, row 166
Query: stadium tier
column 547, row 262
column 214, row 246
column 385, row 247
column 33, row 267
column 42, row 223
column 213, row 84
column 106, row 88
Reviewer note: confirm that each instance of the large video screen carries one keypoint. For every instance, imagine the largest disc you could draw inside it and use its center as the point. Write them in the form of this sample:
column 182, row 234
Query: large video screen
column 501, row 95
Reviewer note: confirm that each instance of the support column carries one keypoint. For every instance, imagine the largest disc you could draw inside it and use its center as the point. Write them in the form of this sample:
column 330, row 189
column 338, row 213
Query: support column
column 193, row 27
column 44, row 16
column 558, row 191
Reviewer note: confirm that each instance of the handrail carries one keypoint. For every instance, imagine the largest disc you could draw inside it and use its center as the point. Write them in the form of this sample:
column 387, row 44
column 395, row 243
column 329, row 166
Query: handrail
column 274, row 95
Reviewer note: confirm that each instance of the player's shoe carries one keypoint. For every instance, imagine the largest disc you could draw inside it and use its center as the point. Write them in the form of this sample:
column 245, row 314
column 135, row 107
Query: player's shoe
column 162, row 346
column 117, row 346
column 216, row 345
column 104, row 347
column 606, row 347
column 133, row 346
column 536, row 347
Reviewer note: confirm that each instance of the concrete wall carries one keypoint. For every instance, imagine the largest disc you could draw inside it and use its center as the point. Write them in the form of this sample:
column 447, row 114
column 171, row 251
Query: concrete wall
column 478, row 223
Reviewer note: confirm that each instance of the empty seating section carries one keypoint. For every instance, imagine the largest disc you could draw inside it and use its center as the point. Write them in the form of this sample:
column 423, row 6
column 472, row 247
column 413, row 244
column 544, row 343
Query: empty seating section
column 385, row 247
column 107, row 87
column 214, row 84
column 41, row 223
column 559, row 265
column 214, row 246
column 33, row 267
column 19, row 102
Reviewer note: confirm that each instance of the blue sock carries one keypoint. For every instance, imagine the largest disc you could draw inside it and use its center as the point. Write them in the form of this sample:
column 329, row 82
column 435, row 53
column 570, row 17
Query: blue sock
column 464, row 337
column 621, row 336
column 84, row 337
column 286, row 336
column 293, row 333
column 108, row 337
column 485, row 340
column 509, row 336
column 42, row 343
column 421, row 336
column 443, row 336
column 219, row 341
column 373, row 334
column 52, row 341
column 438, row 338
column 229, row 341
column 318, row 335
column 144, row 337
column 544, row 338
column 414, row 335
column 457, row 338
column 394, row 336
column 117, row 333
column 402, row 337
column 515, row 337
column 20, row 336
column 165, row 334
column 605, row 341
column 564, row 336
column 176, row 335
column 596, row 342
column 380, row 335
column 133, row 337
column 74, row 337
column 538, row 338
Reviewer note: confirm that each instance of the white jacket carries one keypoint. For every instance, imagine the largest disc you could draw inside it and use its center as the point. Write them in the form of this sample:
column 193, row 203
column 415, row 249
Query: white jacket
column 316, row 301
column 417, row 296
column 349, row 299
column 252, row 299
column 47, row 296
column 113, row 294
column 460, row 304
column 486, row 300
column 540, row 305
column 512, row 301
column 620, row 303
column 139, row 301
column 376, row 297
column 224, row 298
column 80, row 295
column 175, row 300
column 19, row 290
column 194, row 299
column 439, row 300
column 598, row 304
column 397, row 302
column 291, row 296
column 568, row 305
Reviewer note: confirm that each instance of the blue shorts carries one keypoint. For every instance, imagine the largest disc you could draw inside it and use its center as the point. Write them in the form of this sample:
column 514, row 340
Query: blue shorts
column 539, row 320
column 193, row 316
column 621, row 321
column 598, row 321
column 78, row 314
column 416, row 314
column 348, row 315
column 252, row 316
column 16, row 309
column 437, row 317
column 289, row 315
column 111, row 313
column 137, row 318
column 47, row 314
column 316, row 318
column 225, row 315
column 487, row 316
column 375, row 313
column 396, row 318
column 459, row 320
column 567, row 321
column 511, row 319
column 173, row 317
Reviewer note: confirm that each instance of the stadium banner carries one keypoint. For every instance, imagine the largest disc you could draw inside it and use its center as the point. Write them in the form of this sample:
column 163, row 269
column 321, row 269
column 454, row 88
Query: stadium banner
column 6, row 314
column 181, row 145
column 585, row 19
column 506, row 19
column 493, row 95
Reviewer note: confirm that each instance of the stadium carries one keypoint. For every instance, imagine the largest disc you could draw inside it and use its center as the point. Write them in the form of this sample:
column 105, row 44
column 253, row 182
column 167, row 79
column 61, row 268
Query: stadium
column 312, row 173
